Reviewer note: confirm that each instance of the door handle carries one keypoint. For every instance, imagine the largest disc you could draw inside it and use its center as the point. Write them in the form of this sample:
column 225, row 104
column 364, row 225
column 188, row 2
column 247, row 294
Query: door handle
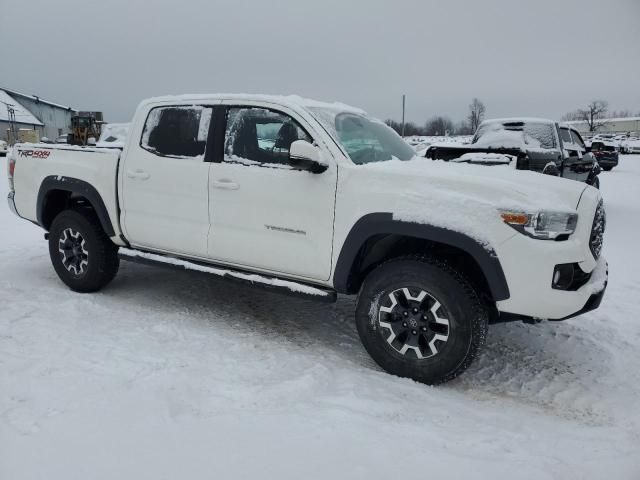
column 138, row 174
column 225, row 184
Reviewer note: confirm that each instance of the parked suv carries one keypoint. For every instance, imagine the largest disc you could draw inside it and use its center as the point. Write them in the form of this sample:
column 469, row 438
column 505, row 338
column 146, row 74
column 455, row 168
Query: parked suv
column 317, row 199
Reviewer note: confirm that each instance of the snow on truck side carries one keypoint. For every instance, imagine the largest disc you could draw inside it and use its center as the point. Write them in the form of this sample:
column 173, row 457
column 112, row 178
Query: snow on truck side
column 319, row 199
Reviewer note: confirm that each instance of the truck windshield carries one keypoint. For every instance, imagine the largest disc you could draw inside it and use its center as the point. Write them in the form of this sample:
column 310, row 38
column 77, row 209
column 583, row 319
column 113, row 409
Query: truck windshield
column 364, row 139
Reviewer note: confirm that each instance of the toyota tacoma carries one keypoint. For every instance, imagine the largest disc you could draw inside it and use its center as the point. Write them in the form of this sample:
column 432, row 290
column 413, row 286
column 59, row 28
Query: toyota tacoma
column 319, row 199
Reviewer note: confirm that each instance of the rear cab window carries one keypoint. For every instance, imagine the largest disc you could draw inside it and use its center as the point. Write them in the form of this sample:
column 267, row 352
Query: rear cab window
column 541, row 133
column 516, row 133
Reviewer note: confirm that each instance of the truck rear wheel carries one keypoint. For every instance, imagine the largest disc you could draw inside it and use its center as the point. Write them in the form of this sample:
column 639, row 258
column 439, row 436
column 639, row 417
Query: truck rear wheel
column 82, row 255
column 419, row 318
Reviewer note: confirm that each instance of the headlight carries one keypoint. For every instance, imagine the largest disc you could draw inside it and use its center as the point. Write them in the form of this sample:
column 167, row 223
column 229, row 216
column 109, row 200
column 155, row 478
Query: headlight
column 545, row 225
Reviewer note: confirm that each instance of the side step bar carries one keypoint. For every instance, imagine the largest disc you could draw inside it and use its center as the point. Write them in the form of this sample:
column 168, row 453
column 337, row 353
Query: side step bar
column 278, row 285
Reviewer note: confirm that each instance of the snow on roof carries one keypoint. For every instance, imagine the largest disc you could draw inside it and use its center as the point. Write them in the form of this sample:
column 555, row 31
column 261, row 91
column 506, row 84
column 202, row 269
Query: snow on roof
column 22, row 114
column 287, row 100
column 518, row 119
column 35, row 99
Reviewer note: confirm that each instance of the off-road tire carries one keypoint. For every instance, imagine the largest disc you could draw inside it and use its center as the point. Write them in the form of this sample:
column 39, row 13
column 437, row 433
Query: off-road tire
column 467, row 318
column 101, row 263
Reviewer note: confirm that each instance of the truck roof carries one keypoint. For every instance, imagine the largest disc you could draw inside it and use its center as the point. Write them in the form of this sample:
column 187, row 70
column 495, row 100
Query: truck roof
column 293, row 101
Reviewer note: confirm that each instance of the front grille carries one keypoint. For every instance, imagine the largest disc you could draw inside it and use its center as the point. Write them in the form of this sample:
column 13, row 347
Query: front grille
column 597, row 231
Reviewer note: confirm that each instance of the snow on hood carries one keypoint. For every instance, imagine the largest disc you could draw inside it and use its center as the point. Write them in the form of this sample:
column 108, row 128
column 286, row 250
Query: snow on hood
column 467, row 198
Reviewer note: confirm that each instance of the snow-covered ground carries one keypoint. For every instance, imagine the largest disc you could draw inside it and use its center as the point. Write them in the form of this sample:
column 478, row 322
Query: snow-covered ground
column 171, row 374
column 418, row 139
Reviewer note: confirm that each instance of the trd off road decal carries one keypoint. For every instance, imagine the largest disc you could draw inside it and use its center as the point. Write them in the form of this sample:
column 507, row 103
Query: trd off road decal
column 34, row 153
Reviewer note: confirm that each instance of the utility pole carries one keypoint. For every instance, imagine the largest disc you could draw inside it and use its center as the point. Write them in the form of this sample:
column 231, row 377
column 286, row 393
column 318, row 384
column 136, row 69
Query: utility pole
column 13, row 132
column 403, row 102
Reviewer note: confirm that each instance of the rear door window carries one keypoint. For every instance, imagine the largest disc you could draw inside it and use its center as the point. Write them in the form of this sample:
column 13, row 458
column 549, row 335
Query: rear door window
column 177, row 131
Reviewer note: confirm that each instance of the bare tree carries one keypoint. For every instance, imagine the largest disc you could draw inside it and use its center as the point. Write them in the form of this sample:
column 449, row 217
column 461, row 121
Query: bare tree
column 476, row 113
column 594, row 114
column 410, row 128
column 571, row 116
column 463, row 128
column 439, row 126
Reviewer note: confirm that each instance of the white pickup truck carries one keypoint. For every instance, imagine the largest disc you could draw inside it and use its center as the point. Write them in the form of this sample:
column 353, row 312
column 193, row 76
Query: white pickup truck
column 318, row 199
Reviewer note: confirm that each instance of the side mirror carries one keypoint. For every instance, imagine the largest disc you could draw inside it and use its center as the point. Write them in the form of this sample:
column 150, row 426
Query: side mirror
column 304, row 156
column 551, row 169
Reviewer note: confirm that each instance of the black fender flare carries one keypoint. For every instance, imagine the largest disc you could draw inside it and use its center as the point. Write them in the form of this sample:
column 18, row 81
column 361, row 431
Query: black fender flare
column 383, row 223
column 78, row 187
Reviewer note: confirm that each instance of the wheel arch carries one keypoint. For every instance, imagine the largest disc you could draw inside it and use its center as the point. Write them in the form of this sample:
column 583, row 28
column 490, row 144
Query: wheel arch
column 376, row 237
column 58, row 193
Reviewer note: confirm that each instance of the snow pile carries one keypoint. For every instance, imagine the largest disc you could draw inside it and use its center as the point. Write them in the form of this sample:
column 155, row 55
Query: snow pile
column 486, row 159
column 113, row 135
column 417, row 140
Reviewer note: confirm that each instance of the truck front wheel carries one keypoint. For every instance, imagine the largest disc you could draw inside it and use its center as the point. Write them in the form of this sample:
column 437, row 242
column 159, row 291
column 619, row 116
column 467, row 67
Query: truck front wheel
column 81, row 253
column 419, row 318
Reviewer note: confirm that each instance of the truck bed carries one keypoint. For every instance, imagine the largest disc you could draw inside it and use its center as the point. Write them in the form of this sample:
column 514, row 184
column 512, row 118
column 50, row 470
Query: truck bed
column 37, row 163
column 446, row 153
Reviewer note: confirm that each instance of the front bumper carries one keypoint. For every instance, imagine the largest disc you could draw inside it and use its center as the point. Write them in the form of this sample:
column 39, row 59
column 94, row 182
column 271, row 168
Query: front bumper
column 608, row 163
column 531, row 267
column 594, row 302
column 12, row 203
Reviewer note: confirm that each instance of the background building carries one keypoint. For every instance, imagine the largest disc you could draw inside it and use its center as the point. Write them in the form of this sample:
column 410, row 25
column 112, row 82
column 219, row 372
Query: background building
column 47, row 118
column 610, row 125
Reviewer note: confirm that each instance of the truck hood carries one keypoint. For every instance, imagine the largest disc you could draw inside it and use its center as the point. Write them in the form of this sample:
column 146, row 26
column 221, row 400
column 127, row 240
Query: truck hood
column 501, row 186
column 466, row 197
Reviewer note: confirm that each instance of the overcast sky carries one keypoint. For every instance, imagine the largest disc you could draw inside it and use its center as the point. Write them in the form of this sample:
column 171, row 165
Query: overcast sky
column 534, row 58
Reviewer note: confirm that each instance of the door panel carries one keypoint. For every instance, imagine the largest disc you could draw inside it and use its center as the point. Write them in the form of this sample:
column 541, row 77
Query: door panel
column 165, row 183
column 263, row 213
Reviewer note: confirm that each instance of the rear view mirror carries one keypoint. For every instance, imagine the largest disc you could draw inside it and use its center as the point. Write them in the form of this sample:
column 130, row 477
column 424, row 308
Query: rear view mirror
column 304, row 156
